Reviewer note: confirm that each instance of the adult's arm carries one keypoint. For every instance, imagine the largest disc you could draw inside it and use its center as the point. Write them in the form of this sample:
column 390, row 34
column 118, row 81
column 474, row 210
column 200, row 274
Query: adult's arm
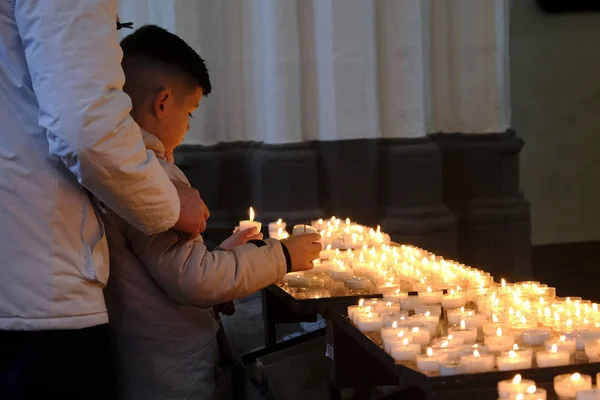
column 74, row 59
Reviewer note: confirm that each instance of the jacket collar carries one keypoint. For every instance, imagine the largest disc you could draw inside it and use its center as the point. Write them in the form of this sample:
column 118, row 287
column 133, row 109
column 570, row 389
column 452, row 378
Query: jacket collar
column 151, row 142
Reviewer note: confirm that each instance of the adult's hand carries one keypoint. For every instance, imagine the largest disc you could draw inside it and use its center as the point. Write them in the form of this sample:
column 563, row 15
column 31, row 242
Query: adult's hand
column 303, row 249
column 193, row 212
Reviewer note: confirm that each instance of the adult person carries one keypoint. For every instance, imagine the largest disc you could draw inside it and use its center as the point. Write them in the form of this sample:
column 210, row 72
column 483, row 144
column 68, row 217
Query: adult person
column 65, row 132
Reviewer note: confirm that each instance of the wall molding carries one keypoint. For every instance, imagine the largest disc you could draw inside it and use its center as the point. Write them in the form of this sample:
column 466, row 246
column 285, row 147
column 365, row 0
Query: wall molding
column 455, row 194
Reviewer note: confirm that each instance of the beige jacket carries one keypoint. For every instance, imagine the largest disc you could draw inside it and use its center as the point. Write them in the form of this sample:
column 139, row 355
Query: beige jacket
column 159, row 298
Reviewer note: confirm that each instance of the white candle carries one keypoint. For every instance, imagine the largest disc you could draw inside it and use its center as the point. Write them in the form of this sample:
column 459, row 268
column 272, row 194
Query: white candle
column 400, row 318
column 399, row 338
column 476, row 320
column 303, row 230
column 430, row 362
column 251, row 223
column 591, row 394
column 567, row 385
column 512, row 361
column 275, row 226
column 499, row 342
column 405, row 351
column 536, row 337
column 358, row 283
column 369, row 323
column 291, row 275
column 409, row 303
column 454, row 300
column 456, row 315
column 450, row 340
column 434, row 309
column 552, row 358
column 450, row 349
column 430, row 296
column 387, row 306
column 340, row 275
column 388, row 333
column 468, row 349
column 451, row 368
column 511, row 387
column 531, row 393
column 563, row 344
column 592, row 349
column 467, row 335
column 420, row 337
column 356, row 308
column 299, row 282
column 479, row 362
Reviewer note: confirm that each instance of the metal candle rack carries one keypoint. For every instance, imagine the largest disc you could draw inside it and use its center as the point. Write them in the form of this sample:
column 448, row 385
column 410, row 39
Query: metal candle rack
column 360, row 363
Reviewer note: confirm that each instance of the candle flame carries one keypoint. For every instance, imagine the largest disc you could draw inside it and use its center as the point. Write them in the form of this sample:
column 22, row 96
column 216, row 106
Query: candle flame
column 427, row 314
column 532, row 389
column 347, row 221
column 563, row 338
column 512, row 354
column 388, row 304
column 279, row 221
column 370, row 315
column 499, row 332
column 405, row 342
column 429, row 290
column 515, row 347
column 576, row 376
column 251, row 214
column 361, row 302
column 368, row 309
column 554, row 348
column 517, row 379
column 494, row 318
column 503, row 283
column 397, row 291
column 520, row 396
column 429, row 352
column 415, row 330
column 450, row 337
column 394, row 325
column 400, row 334
column 444, row 344
column 451, row 292
column 462, row 324
column 476, row 353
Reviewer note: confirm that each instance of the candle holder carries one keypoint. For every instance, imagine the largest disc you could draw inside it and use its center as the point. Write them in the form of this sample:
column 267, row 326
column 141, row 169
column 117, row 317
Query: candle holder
column 566, row 386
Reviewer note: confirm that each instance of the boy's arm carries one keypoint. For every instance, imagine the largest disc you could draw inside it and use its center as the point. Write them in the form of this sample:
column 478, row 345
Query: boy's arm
column 192, row 275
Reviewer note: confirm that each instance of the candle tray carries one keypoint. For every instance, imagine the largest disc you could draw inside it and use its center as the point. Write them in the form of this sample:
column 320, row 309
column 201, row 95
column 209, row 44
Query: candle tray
column 360, row 362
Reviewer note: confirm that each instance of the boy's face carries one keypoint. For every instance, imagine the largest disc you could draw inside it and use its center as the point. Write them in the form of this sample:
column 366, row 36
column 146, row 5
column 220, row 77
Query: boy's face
column 173, row 111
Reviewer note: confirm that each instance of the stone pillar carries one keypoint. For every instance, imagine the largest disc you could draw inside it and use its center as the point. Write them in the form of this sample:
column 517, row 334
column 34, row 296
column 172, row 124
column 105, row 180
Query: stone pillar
column 480, row 154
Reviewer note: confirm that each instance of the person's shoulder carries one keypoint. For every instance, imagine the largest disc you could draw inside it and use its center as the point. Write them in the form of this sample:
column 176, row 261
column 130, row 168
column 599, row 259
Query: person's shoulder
column 173, row 172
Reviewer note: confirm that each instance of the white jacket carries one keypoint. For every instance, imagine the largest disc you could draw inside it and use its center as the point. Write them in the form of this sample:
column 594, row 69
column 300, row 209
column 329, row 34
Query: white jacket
column 160, row 297
column 64, row 124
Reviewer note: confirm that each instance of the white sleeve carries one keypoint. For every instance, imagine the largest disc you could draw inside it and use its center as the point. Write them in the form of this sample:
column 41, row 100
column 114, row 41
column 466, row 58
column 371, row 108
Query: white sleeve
column 74, row 61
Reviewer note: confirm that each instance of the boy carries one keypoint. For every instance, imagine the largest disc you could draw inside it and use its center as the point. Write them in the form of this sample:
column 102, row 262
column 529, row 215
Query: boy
column 162, row 287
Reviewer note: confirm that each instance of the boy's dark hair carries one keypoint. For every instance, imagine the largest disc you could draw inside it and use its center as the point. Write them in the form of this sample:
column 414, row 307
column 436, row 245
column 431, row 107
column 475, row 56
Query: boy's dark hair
column 153, row 45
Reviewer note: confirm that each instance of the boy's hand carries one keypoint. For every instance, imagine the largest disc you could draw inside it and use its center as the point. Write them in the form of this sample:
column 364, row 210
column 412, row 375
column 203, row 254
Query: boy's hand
column 193, row 212
column 303, row 249
column 241, row 237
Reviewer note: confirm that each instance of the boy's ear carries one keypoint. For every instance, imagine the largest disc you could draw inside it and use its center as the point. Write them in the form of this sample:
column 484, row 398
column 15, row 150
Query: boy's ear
column 160, row 103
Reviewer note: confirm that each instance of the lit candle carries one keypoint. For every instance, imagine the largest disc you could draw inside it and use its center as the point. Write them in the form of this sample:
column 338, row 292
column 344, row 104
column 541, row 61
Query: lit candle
column 299, row 282
column 592, row 349
column 303, row 230
column 552, row 358
column 276, row 226
column 388, row 333
column 499, row 342
column 567, row 385
column 468, row 349
column 369, row 323
column 479, row 362
column 450, row 348
column 467, row 335
column 474, row 320
column 406, row 351
column 390, row 341
column 433, row 309
column 357, row 308
column 454, row 300
column 430, row 362
column 563, row 344
column 251, row 223
column 456, row 315
column 512, row 361
column 512, row 387
column 430, row 296
column 420, row 337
